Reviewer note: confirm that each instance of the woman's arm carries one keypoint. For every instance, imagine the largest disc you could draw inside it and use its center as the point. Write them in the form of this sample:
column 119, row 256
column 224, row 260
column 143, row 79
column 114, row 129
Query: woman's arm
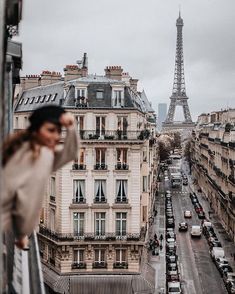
column 70, row 149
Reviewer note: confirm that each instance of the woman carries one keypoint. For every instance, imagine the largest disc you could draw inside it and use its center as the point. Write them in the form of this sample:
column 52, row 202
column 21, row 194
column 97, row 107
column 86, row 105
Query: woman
column 29, row 157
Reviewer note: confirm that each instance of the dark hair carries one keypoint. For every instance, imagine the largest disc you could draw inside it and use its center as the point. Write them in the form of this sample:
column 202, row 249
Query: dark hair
column 15, row 141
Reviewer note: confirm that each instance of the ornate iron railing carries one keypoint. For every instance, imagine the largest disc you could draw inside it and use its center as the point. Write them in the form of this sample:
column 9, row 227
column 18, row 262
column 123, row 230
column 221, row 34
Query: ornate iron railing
column 114, row 135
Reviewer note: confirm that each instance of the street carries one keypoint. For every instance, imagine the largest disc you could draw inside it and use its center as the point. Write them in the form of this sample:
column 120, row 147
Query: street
column 198, row 273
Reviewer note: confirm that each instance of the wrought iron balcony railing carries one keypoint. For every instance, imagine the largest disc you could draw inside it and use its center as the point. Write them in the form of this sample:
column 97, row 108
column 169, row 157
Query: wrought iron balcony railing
column 60, row 237
column 100, row 200
column 99, row 264
column 52, row 198
column 120, row 265
column 114, row 135
column 121, row 200
column 77, row 166
column 122, row 166
column 80, row 200
column 78, row 265
column 100, row 166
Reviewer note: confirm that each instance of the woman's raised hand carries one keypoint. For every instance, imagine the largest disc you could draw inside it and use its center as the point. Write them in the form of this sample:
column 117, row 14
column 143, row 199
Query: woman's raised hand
column 67, row 120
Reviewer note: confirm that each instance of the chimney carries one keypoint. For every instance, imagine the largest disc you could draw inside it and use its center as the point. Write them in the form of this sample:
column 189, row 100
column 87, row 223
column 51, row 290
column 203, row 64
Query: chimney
column 46, row 77
column 72, row 72
column 133, row 84
column 84, row 68
column 114, row 72
column 30, row 81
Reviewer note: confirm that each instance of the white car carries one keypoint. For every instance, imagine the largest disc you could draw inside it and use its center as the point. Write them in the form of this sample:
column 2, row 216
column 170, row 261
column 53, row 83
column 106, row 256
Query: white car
column 187, row 214
column 196, row 231
column 174, row 287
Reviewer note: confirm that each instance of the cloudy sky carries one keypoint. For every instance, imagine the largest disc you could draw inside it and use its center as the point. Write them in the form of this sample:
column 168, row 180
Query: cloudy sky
column 141, row 37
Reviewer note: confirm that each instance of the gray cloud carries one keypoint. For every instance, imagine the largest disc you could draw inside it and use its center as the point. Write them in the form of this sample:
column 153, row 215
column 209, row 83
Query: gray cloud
column 140, row 36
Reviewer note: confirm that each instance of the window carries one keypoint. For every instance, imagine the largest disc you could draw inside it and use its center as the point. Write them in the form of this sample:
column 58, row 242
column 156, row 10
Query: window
column 21, row 101
column 100, row 255
column 54, row 97
column 80, row 93
column 52, row 219
column 100, row 223
column 37, row 99
column 26, row 100
column 118, row 98
column 145, row 184
column 145, row 155
column 78, row 256
column 100, row 156
column 121, row 223
column 79, row 190
column 32, row 99
column 144, row 217
column 80, row 123
column 122, row 124
column 26, row 122
column 121, row 190
column 78, row 223
column 48, row 98
column 53, row 193
column 100, row 125
column 43, row 98
column 121, row 255
column 100, row 190
column 99, row 94
column 121, row 155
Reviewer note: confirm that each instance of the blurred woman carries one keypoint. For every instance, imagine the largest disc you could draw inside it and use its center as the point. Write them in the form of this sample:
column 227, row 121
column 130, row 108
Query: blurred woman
column 29, row 157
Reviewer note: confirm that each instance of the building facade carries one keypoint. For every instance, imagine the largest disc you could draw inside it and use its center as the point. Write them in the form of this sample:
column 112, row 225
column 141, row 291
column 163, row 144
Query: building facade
column 213, row 163
column 96, row 209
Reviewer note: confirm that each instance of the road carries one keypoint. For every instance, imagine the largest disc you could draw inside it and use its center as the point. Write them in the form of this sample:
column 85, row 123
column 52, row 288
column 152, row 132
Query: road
column 198, row 273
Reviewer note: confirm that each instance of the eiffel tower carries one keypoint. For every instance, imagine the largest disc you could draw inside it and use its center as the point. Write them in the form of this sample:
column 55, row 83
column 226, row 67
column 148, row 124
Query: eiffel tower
column 178, row 96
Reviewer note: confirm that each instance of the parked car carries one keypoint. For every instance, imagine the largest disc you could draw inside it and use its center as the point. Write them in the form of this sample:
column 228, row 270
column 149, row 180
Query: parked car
column 187, row 214
column 172, row 273
column 170, row 223
column 169, row 230
column 192, row 195
column 171, row 258
column 196, row 231
column 217, row 252
column 201, row 215
column 214, row 242
column 174, row 287
column 170, row 241
column 230, row 286
column 183, row 226
column 194, row 200
column 225, row 268
column 171, row 247
column 170, row 234
column 228, row 277
column 198, row 207
column 219, row 261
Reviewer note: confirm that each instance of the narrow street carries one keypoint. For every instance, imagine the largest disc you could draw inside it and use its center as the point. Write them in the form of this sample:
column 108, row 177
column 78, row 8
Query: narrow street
column 198, row 273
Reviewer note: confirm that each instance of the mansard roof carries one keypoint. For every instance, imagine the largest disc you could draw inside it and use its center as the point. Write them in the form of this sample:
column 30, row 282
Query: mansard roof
column 54, row 94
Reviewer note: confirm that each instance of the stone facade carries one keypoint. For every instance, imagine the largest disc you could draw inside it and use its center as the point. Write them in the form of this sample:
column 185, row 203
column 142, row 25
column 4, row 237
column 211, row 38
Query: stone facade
column 96, row 209
column 213, row 163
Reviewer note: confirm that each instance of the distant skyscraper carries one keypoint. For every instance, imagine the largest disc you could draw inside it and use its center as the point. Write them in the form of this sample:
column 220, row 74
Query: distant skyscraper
column 162, row 111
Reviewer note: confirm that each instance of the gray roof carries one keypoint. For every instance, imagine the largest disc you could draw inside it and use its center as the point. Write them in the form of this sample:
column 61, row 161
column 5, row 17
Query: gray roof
column 147, row 104
column 54, row 94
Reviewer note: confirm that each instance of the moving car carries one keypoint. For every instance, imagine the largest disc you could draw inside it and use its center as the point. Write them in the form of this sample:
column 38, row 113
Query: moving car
column 225, row 268
column 172, row 273
column 201, row 215
column 183, row 226
column 185, row 181
column 187, row 214
column 196, row 231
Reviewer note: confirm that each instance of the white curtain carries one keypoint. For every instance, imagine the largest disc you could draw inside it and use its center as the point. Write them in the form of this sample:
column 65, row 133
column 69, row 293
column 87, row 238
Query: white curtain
column 125, row 188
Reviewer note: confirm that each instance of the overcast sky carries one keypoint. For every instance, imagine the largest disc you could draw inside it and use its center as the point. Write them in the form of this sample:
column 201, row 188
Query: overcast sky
column 141, row 37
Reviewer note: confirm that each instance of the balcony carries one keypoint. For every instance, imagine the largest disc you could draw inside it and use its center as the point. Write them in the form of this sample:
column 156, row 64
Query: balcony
column 224, row 144
column 120, row 265
column 78, row 265
column 121, row 166
column 99, row 264
column 121, row 200
column 80, row 200
column 64, row 237
column 100, row 200
column 114, row 135
column 77, row 166
column 231, row 145
column 52, row 198
column 100, row 166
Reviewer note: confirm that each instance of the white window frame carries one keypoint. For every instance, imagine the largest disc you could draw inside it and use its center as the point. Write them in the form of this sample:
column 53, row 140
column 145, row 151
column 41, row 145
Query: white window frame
column 78, row 223
column 121, row 223
column 145, row 184
column 79, row 189
column 78, row 255
column 98, row 96
column 80, row 92
column 53, row 187
column 121, row 255
column 118, row 97
column 121, row 189
column 54, row 97
column 100, row 222
column 100, row 253
column 100, row 189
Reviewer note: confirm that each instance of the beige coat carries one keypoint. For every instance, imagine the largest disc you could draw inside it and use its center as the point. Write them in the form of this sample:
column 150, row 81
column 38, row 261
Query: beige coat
column 24, row 183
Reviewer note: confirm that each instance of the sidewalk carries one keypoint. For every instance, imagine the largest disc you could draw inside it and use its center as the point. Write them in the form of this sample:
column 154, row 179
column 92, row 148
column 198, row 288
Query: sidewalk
column 227, row 244
column 158, row 262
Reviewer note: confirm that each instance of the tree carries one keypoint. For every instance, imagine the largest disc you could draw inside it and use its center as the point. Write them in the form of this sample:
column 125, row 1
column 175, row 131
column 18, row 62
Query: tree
column 188, row 153
column 176, row 141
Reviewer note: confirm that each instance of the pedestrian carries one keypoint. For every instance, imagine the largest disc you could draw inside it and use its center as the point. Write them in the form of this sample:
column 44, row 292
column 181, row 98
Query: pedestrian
column 29, row 157
column 155, row 236
column 209, row 213
column 161, row 238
